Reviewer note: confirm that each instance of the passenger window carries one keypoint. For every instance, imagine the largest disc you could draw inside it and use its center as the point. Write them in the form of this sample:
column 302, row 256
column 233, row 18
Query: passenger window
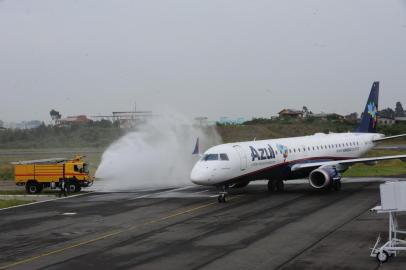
column 223, row 157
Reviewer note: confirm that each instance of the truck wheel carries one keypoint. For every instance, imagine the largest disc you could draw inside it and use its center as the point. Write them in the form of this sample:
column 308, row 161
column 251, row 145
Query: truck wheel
column 32, row 187
column 40, row 188
column 73, row 187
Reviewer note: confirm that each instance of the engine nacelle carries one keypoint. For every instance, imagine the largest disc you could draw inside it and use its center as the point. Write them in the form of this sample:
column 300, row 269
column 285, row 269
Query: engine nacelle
column 240, row 184
column 403, row 159
column 323, row 177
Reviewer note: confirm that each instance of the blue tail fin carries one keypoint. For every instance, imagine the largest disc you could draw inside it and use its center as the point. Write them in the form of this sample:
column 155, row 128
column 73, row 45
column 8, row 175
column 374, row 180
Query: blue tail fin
column 196, row 150
column 370, row 115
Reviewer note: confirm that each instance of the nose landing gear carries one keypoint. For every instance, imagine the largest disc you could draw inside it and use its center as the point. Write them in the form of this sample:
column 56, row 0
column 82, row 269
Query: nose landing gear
column 222, row 194
column 221, row 198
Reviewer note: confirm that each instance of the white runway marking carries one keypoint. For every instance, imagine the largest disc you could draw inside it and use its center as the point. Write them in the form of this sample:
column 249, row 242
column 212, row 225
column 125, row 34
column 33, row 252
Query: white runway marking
column 51, row 200
column 198, row 192
column 69, row 214
column 160, row 194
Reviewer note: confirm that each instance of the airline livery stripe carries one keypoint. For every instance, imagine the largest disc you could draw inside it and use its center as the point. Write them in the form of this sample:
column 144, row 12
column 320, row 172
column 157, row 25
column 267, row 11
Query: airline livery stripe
column 290, row 163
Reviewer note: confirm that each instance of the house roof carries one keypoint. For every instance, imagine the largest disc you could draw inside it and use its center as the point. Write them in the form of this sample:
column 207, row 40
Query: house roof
column 290, row 112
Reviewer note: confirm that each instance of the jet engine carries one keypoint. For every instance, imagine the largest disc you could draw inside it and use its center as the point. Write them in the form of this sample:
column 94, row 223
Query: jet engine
column 323, row 177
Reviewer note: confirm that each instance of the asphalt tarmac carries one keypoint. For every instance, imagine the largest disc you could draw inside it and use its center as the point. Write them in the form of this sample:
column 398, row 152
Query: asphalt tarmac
column 185, row 228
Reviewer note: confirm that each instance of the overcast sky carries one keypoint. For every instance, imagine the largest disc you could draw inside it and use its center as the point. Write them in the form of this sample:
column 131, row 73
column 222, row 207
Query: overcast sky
column 210, row 58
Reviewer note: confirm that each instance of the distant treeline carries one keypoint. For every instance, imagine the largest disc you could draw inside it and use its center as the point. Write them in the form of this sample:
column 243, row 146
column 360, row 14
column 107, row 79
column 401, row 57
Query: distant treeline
column 330, row 125
column 103, row 133
column 93, row 134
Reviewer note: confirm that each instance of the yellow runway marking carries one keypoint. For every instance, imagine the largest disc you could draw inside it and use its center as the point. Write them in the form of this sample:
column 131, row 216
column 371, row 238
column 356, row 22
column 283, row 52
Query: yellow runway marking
column 109, row 235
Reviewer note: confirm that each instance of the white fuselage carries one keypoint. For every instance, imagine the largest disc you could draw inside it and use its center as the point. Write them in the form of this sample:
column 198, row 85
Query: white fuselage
column 252, row 160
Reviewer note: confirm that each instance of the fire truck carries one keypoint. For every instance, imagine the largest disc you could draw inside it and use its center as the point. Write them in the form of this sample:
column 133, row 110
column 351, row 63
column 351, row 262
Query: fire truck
column 36, row 175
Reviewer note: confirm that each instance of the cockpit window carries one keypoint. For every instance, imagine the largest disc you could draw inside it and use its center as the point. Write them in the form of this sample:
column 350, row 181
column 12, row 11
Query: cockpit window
column 209, row 157
column 223, row 157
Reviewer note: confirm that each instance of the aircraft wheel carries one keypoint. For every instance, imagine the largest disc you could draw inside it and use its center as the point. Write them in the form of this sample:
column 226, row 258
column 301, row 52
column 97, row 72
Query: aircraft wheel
column 280, row 186
column 382, row 256
column 271, row 186
column 221, row 198
column 337, row 185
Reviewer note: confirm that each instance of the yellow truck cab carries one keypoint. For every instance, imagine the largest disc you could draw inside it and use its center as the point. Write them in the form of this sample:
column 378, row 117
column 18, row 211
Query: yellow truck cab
column 36, row 175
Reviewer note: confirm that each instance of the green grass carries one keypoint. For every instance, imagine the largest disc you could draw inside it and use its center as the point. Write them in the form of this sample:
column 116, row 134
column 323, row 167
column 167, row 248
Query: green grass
column 383, row 168
column 9, row 203
column 13, row 192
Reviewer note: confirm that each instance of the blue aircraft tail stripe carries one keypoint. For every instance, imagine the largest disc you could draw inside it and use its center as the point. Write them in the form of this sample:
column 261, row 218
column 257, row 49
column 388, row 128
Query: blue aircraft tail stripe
column 369, row 118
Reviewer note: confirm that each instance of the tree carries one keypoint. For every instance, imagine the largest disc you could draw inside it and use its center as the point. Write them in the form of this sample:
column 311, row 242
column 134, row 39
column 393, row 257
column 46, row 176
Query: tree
column 1, row 123
column 306, row 112
column 399, row 112
column 55, row 115
column 387, row 113
column 305, row 109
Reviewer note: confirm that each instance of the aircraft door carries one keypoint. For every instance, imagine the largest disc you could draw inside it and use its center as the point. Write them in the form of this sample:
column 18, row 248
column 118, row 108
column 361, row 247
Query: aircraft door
column 243, row 157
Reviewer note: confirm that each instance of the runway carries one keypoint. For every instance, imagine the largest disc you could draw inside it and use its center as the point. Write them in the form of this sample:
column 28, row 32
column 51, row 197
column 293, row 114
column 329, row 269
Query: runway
column 185, row 228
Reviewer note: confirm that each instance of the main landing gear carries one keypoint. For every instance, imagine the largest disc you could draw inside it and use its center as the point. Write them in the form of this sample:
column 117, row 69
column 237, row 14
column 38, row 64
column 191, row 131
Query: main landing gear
column 223, row 193
column 336, row 185
column 276, row 185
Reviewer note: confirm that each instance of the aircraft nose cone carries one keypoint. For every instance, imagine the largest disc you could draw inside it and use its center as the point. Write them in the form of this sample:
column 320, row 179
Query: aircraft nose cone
column 198, row 176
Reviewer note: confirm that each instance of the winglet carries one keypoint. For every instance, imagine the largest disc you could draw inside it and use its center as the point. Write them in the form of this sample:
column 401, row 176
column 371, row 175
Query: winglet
column 196, row 151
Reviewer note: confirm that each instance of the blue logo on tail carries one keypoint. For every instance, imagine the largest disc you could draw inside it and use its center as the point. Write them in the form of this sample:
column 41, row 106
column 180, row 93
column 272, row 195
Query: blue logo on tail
column 372, row 111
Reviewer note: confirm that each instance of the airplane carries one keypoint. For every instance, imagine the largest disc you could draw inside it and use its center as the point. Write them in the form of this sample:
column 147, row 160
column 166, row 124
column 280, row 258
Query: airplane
column 320, row 157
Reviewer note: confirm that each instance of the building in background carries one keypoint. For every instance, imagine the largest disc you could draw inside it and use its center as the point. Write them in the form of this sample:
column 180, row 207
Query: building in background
column 78, row 119
column 292, row 114
column 386, row 121
column 126, row 119
column 328, row 116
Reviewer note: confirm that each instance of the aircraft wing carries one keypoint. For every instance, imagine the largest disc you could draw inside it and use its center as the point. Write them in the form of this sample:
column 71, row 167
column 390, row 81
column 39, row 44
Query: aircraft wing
column 389, row 138
column 348, row 162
